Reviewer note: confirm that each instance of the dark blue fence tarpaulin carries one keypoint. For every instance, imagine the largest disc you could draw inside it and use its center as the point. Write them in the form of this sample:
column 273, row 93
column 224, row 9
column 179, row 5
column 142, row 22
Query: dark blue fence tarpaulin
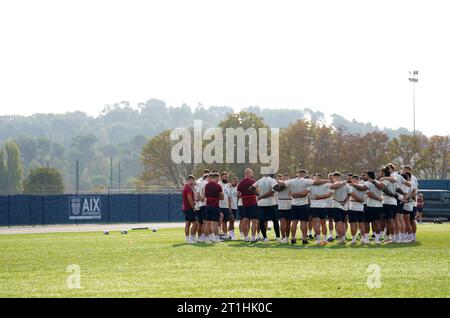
column 92, row 208
column 434, row 184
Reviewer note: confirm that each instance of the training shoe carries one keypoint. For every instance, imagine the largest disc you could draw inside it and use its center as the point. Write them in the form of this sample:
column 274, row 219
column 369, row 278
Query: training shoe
column 310, row 236
column 253, row 241
column 293, row 241
column 304, row 242
column 279, row 240
column 266, row 240
column 330, row 238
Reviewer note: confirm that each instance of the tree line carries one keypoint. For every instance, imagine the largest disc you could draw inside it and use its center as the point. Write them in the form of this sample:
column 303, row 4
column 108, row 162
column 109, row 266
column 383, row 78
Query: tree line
column 132, row 137
column 311, row 145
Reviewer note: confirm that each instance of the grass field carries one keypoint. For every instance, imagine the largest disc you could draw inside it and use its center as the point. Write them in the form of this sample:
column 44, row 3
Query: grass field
column 147, row 264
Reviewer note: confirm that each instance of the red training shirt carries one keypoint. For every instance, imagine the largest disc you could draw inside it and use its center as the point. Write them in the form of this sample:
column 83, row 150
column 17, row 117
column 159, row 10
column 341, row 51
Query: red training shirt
column 248, row 198
column 212, row 191
column 187, row 191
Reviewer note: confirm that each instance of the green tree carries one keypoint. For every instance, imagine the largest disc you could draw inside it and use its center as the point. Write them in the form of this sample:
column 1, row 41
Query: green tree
column 3, row 172
column 159, row 167
column 44, row 181
column 14, row 168
column 245, row 120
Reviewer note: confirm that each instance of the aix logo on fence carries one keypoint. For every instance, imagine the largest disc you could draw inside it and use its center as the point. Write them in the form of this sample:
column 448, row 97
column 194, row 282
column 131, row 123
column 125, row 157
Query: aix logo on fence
column 85, row 207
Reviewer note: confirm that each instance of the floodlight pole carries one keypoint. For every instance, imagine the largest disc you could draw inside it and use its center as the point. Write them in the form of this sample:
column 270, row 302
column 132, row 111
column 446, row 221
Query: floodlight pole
column 414, row 79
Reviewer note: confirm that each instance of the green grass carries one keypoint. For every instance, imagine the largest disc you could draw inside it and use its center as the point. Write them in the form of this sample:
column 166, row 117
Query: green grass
column 147, row 264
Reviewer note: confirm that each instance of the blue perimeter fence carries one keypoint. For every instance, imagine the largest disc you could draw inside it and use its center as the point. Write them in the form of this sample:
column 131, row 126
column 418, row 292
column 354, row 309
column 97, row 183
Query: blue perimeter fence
column 92, row 208
column 24, row 209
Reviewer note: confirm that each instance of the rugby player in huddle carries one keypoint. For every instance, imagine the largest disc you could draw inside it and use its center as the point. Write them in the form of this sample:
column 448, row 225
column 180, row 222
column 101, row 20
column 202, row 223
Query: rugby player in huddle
column 384, row 204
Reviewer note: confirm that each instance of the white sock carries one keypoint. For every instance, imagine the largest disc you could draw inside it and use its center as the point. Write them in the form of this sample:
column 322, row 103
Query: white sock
column 377, row 237
column 318, row 237
column 253, row 237
column 353, row 238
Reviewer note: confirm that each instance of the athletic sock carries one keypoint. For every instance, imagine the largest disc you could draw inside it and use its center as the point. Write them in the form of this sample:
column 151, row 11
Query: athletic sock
column 318, row 237
column 253, row 237
column 377, row 237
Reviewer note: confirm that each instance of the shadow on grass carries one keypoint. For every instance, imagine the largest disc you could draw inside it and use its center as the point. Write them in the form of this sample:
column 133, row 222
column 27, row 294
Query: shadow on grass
column 314, row 247
column 241, row 244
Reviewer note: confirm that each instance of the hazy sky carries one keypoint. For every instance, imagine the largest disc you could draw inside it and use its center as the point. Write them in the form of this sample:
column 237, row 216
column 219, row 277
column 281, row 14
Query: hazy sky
column 345, row 57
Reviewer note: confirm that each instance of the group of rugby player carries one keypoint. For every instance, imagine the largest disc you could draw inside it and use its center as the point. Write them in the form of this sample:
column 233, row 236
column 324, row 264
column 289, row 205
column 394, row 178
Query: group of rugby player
column 383, row 202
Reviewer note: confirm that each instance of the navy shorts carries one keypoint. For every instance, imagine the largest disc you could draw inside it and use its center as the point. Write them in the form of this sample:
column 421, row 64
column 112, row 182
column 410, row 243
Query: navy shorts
column 300, row 212
column 234, row 212
column 249, row 212
column 420, row 209
column 373, row 214
column 356, row 216
column 330, row 213
column 318, row 213
column 226, row 214
column 189, row 215
column 344, row 216
column 399, row 208
column 266, row 213
column 389, row 211
column 239, row 212
column 212, row 213
column 200, row 214
column 338, row 214
column 285, row 214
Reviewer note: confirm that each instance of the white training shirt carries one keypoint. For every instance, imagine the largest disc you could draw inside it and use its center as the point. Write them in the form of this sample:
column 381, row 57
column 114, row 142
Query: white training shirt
column 234, row 198
column 355, row 205
column 415, row 186
column 264, row 185
column 202, row 192
column 372, row 202
column 399, row 178
column 339, row 196
column 196, row 191
column 224, row 204
column 284, row 199
column 414, row 179
column 319, row 190
column 386, row 198
column 408, row 206
column 299, row 185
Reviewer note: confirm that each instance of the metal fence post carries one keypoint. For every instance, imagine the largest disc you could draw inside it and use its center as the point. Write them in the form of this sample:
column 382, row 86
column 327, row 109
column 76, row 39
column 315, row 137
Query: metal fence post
column 43, row 210
column 8, row 210
column 109, row 207
column 139, row 207
column 170, row 208
column 29, row 209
